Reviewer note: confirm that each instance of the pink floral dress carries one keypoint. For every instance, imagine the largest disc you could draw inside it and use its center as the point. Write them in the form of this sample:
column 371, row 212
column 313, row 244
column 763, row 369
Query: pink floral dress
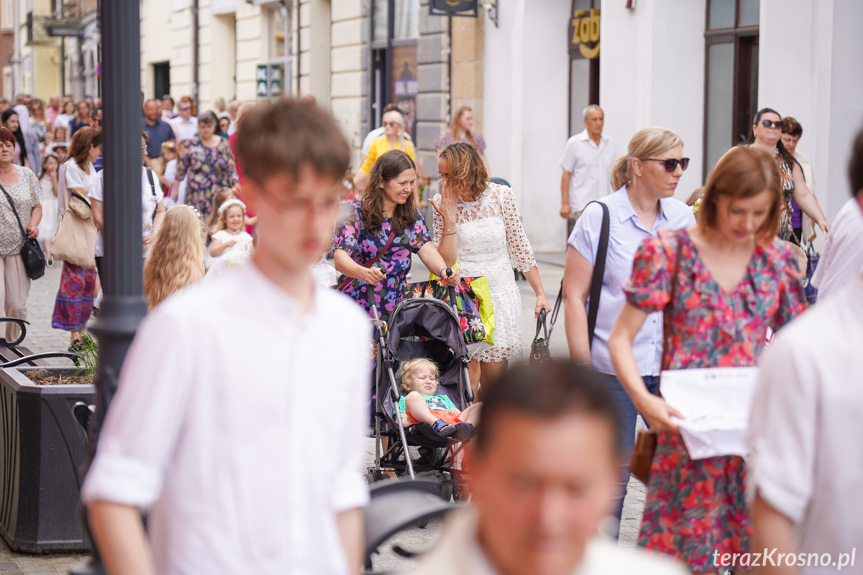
column 695, row 508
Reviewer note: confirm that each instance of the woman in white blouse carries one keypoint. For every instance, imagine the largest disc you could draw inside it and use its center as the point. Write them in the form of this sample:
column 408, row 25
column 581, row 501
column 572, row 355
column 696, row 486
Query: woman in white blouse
column 478, row 222
column 74, row 301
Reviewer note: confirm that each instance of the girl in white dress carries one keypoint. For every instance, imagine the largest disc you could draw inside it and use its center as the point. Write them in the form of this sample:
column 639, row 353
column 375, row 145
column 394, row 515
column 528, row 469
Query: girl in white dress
column 48, row 199
column 232, row 245
column 479, row 222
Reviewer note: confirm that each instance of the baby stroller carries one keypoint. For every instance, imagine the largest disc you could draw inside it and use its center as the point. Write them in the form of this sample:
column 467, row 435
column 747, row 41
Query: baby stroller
column 426, row 328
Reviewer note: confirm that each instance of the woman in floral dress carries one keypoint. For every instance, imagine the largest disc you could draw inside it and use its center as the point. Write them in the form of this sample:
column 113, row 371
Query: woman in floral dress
column 386, row 204
column 736, row 279
column 210, row 164
column 478, row 222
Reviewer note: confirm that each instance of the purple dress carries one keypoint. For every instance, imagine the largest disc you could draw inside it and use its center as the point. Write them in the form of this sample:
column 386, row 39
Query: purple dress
column 362, row 246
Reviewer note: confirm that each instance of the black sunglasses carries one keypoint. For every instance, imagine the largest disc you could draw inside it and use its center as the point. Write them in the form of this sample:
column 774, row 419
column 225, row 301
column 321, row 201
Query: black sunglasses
column 671, row 165
column 772, row 124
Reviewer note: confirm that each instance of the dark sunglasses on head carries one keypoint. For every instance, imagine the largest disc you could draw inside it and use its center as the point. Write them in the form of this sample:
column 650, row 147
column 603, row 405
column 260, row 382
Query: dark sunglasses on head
column 671, row 165
column 772, row 124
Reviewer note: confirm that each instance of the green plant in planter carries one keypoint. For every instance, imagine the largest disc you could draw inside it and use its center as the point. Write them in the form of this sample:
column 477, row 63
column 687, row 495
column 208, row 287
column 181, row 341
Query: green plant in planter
column 89, row 353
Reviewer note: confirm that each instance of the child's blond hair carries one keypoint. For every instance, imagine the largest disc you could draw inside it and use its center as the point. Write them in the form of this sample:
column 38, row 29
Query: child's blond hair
column 221, row 214
column 410, row 367
column 177, row 255
column 216, row 223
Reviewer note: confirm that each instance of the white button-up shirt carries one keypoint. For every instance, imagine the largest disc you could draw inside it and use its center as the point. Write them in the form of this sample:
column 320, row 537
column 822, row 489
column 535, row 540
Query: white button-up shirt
column 626, row 234
column 184, row 129
column 239, row 423
column 843, row 253
column 805, row 427
column 590, row 168
column 459, row 552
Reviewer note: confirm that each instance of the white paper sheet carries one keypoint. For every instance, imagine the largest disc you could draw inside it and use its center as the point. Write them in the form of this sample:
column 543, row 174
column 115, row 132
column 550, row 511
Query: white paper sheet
column 716, row 404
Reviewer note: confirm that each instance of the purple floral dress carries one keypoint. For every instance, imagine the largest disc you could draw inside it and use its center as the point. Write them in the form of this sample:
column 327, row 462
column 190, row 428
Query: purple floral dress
column 694, row 508
column 210, row 170
column 363, row 246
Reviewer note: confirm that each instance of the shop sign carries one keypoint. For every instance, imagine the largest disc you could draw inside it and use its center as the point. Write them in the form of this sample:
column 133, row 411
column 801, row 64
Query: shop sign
column 469, row 8
column 584, row 34
column 268, row 81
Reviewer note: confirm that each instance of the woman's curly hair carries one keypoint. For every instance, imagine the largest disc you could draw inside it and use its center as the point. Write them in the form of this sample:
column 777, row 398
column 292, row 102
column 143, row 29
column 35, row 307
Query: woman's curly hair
column 467, row 174
column 176, row 256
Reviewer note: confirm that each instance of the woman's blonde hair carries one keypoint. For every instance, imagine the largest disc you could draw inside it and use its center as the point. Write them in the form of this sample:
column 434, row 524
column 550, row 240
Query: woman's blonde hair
column 409, row 368
column 455, row 126
column 467, row 174
column 396, row 116
column 176, row 256
column 742, row 173
column 646, row 143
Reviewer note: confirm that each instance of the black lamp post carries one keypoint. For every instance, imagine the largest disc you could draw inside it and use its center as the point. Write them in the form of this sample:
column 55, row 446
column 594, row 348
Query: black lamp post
column 123, row 303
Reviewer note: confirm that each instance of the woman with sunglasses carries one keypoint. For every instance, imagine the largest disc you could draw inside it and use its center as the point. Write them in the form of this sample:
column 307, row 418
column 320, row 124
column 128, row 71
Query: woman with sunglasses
column 721, row 283
column 645, row 180
column 767, row 136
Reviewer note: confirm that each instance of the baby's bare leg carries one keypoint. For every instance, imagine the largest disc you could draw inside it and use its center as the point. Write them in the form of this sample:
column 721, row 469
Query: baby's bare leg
column 471, row 414
column 418, row 408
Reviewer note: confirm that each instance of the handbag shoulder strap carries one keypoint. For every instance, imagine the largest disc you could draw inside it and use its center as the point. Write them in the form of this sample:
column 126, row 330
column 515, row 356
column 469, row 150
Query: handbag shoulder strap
column 598, row 272
column 669, row 307
column 372, row 261
column 14, row 211
column 555, row 310
column 152, row 184
column 80, row 197
column 383, row 250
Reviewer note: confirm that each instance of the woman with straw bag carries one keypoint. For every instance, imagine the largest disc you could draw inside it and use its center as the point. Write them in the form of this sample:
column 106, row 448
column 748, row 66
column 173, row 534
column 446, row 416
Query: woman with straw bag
column 75, row 241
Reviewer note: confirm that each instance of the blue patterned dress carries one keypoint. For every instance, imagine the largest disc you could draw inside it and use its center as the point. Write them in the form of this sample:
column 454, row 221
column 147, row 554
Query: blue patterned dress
column 362, row 246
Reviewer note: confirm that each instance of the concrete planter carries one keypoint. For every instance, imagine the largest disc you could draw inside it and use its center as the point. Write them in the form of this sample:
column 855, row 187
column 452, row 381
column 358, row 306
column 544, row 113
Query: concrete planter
column 43, row 451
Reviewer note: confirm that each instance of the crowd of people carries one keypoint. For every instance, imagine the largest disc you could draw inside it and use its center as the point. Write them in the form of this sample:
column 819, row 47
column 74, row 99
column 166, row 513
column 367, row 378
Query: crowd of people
column 650, row 284
column 187, row 159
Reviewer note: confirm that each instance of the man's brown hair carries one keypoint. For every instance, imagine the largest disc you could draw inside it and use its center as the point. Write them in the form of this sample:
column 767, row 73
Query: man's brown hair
column 286, row 135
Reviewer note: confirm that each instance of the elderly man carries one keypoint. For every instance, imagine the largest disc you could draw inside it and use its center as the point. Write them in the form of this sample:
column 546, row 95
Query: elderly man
column 586, row 164
column 543, row 472
column 806, row 461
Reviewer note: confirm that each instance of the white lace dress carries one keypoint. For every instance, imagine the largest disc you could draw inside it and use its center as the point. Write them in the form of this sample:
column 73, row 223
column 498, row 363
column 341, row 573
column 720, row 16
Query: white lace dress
column 491, row 242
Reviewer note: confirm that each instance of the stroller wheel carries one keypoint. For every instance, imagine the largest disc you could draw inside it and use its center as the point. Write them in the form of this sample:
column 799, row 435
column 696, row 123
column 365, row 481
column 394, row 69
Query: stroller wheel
column 461, row 488
column 446, row 485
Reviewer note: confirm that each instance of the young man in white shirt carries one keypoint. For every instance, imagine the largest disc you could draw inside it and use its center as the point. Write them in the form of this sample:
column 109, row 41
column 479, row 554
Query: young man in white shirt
column 244, row 438
column 806, row 463
column 543, row 472
column 586, row 165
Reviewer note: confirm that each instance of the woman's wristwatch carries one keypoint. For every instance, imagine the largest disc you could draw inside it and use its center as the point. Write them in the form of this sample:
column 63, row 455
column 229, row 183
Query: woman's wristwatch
column 442, row 273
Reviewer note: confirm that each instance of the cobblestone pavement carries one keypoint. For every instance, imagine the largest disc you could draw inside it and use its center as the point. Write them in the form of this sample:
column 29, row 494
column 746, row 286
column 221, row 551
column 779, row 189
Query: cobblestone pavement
column 41, row 337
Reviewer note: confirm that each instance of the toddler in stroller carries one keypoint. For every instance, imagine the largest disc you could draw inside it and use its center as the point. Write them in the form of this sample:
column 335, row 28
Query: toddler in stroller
column 422, row 404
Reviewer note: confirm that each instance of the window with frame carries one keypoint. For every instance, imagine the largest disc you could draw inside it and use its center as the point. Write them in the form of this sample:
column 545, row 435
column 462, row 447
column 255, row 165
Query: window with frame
column 731, row 75
column 395, row 32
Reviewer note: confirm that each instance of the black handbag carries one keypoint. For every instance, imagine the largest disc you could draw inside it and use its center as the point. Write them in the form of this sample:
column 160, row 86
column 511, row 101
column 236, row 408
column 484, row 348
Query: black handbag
column 539, row 351
column 31, row 253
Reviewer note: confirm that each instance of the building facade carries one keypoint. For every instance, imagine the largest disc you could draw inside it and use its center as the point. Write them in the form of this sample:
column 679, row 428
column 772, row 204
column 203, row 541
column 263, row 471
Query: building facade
column 699, row 67
column 528, row 68
column 49, row 47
